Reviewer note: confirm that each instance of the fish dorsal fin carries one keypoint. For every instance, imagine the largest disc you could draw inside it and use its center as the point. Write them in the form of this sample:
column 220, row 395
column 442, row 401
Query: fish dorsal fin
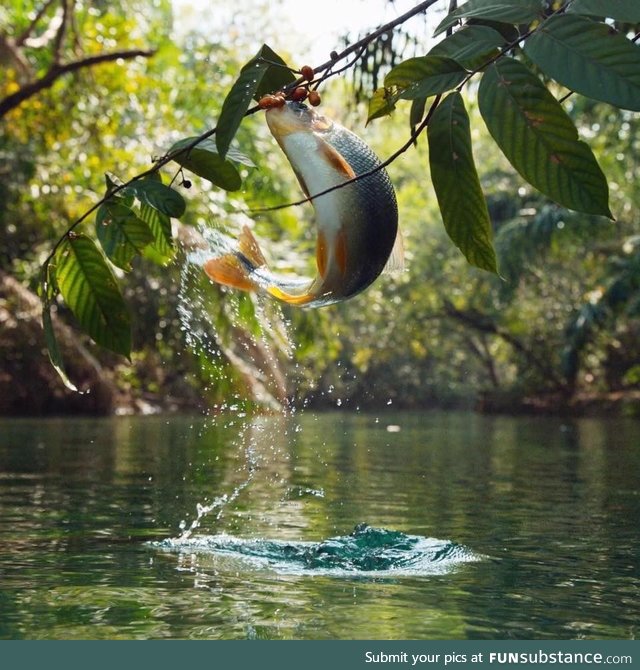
column 395, row 263
column 248, row 246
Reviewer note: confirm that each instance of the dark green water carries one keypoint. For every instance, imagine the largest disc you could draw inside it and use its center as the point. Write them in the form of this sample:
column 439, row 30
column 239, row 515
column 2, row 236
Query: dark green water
column 482, row 527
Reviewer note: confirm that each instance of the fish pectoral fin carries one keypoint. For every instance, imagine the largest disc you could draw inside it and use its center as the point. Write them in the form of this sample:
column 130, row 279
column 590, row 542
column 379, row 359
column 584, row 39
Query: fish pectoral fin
column 337, row 161
column 228, row 270
column 248, row 246
column 395, row 262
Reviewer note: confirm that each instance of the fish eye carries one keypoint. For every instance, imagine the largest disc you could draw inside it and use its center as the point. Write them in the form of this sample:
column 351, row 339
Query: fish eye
column 299, row 108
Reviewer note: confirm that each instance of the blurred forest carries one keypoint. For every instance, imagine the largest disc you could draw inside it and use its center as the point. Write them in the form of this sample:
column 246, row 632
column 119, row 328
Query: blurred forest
column 89, row 86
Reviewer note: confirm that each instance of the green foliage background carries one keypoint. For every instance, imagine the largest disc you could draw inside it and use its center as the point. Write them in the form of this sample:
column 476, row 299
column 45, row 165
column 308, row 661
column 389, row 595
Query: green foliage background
column 563, row 318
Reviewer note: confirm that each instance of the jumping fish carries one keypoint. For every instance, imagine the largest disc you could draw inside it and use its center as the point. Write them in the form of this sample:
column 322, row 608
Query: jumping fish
column 357, row 225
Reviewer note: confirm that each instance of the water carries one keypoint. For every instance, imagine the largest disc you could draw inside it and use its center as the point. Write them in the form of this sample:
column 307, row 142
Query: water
column 478, row 527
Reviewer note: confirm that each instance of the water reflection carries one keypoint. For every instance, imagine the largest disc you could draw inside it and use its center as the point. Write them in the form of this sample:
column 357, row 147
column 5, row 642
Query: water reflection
column 553, row 505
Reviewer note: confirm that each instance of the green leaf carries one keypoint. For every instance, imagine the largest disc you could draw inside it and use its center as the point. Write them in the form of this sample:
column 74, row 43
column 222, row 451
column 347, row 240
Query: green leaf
column 471, row 46
column 161, row 197
column 258, row 77
column 92, row 294
column 455, row 180
column 502, row 11
column 52, row 348
column 160, row 226
column 620, row 10
column 277, row 75
column 424, row 76
column 122, row 233
column 416, row 114
column 539, row 139
column 205, row 161
column 589, row 58
column 381, row 103
column 112, row 182
column 48, row 292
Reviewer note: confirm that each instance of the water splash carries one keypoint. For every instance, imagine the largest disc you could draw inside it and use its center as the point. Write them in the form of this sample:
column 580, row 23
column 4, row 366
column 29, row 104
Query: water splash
column 243, row 336
column 367, row 551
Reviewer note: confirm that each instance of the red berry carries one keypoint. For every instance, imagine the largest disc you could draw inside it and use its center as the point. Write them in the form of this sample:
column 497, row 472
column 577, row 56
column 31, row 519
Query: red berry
column 307, row 72
column 314, row 98
column 266, row 102
column 299, row 94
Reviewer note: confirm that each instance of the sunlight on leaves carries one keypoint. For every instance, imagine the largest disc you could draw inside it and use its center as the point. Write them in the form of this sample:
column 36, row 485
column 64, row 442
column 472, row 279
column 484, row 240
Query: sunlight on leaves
column 92, row 294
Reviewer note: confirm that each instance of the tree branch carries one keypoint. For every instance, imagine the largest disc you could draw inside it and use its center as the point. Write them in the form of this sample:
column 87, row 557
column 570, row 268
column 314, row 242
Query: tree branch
column 39, row 14
column 60, row 35
column 418, row 9
column 55, row 72
column 484, row 324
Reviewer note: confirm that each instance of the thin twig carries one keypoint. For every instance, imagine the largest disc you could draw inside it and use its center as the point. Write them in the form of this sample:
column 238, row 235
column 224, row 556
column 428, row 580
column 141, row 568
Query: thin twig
column 366, row 40
column 39, row 14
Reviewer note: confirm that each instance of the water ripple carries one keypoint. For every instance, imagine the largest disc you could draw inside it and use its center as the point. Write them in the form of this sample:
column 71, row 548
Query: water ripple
column 367, row 551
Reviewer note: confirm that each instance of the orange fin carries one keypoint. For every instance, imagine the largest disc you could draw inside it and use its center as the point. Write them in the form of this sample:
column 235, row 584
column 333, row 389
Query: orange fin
column 229, row 271
column 290, row 299
column 321, row 254
column 341, row 251
column 336, row 160
column 249, row 247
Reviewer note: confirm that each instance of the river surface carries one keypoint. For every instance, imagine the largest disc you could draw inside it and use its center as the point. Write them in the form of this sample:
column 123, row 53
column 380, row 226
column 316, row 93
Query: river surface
column 313, row 526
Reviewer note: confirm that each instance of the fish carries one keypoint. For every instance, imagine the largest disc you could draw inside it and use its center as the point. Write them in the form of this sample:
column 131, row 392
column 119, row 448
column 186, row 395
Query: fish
column 357, row 224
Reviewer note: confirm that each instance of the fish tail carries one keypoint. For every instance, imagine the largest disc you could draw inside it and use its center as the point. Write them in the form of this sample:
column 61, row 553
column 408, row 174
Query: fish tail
column 248, row 246
column 246, row 269
column 235, row 268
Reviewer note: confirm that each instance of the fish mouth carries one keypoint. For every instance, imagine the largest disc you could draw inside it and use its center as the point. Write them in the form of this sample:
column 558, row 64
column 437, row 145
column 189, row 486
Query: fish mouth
column 295, row 117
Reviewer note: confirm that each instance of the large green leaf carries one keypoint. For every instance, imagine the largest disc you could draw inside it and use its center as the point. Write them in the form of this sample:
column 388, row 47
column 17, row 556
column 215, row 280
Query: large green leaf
column 163, row 198
column 205, row 161
column 539, row 139
column 425, row 76
column 122, row 234
column 502, row 11
column 589, row 58
column 91, row 292
column 620, row 10
column 455, row 180
column 264, row 73
column 471, row 46
column 160, row 226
